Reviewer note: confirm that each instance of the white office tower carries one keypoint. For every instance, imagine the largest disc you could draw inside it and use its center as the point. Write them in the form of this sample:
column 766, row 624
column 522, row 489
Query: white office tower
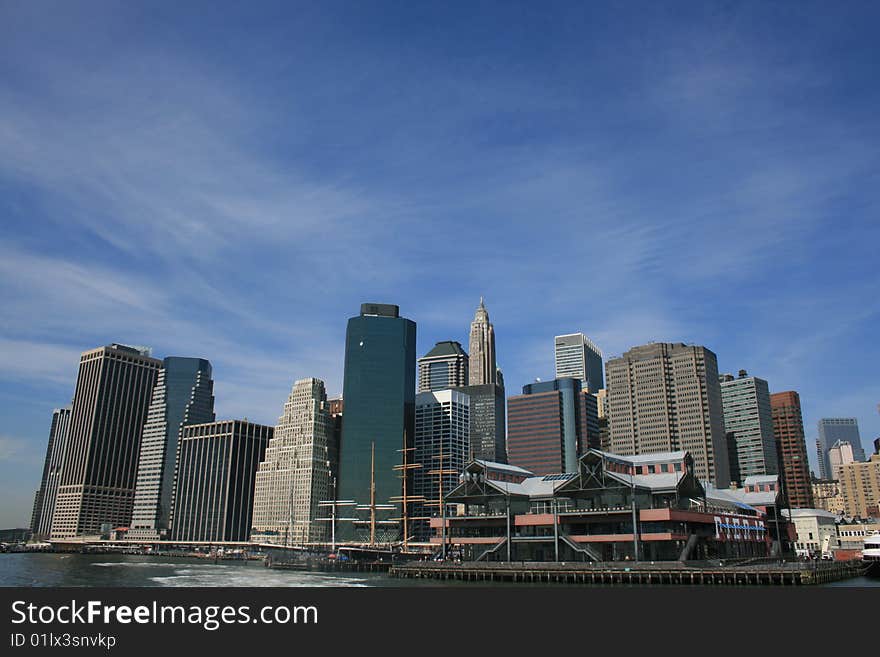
column 295, row 473
column 577, row 356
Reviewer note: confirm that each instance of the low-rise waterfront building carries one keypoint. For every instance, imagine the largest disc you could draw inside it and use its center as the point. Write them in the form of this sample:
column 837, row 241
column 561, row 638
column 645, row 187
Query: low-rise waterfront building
column 764, row 493
column 816, row 531
column 508, row 513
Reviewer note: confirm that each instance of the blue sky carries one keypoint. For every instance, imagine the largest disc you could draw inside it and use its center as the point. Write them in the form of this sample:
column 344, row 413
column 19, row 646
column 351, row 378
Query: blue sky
column 232, row 181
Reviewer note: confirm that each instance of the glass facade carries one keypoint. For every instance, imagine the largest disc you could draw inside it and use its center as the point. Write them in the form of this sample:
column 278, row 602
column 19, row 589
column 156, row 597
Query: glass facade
column 214, row 495
column 183, row 395
column 830, row 431
column 442, row 444
column 488, row 422
column 379, row 395
column 438, row 376
column 577, row 356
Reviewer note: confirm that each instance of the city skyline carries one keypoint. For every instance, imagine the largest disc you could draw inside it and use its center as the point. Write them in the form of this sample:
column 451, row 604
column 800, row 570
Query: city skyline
column 536, row 382
column 137, row 170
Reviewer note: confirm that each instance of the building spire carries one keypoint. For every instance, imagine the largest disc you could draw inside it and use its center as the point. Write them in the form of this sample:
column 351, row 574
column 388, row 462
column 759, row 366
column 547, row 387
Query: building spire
column 482, row 348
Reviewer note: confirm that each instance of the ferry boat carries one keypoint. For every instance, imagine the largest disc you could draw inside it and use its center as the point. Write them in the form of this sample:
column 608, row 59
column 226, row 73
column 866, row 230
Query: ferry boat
column 871, row 556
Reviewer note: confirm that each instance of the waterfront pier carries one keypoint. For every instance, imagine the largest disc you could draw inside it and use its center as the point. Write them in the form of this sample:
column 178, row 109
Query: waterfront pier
column 641, row 574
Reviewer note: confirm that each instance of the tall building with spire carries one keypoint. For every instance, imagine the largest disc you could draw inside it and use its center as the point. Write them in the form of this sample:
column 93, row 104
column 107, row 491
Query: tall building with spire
column 483, row 370
column 488, row 427
column 295, row 473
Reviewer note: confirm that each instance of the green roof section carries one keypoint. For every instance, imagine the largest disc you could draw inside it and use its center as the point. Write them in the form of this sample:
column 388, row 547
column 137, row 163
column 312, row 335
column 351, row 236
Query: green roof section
column 446, row 348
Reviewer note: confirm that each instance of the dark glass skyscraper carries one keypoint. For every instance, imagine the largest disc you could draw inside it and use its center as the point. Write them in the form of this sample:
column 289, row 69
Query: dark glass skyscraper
column 379, row 394
column 488, row 422
column 183, row 395
column 216, row 474
column 832, row 429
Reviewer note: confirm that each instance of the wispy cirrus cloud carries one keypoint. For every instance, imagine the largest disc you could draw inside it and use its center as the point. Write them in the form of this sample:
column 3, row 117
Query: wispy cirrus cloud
column 704, row 178
column 16, row 450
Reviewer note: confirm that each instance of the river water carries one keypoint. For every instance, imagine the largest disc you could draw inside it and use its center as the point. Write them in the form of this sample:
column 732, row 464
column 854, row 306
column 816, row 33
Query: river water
column 47, row 569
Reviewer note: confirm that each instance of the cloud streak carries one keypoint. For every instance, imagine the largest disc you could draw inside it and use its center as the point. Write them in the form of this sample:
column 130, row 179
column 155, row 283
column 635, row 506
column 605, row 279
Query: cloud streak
column 655, row 179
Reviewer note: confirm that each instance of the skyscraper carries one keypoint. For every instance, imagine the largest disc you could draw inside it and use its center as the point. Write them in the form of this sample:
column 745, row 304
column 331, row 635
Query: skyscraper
column 830, row 431
column 295, row 473
column 335, row 407
column 214, row 491
column 183, row 395
column 747, row 416
column 445, row 366
column 577, row 356
column 442, row 444
column 603, row 425
column 548, row 426
column 664, row 397
column 488, row 434
column 839, row 455
column 791, row 448
column 483, row 370
column 379, row 393
column 860, row 487
column 44, row 502
column 113, row 392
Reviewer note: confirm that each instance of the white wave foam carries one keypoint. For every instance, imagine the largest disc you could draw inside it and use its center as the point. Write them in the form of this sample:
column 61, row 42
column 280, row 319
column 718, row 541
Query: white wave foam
column 136, row 564
column 261, row 578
